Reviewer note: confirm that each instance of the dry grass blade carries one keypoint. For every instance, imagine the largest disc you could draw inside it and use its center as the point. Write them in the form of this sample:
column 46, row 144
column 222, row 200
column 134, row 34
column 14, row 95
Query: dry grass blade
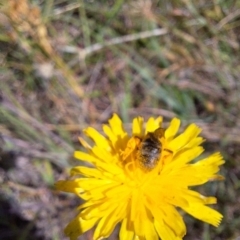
column 83, row 53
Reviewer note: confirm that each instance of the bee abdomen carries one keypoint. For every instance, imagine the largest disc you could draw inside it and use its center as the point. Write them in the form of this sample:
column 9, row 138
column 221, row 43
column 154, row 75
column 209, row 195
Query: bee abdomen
column 149, row 154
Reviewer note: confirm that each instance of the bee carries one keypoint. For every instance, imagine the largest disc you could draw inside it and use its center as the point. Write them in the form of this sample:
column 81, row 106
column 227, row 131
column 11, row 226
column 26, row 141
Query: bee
column 149, row 149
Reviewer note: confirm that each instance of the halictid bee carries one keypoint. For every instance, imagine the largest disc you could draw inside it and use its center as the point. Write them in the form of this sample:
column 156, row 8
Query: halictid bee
column 149, row 149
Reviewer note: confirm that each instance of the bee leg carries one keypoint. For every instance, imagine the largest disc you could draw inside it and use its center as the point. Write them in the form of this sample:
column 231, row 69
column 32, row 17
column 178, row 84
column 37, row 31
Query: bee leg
column 166, row 155
column 133, row 143
column 168, row 150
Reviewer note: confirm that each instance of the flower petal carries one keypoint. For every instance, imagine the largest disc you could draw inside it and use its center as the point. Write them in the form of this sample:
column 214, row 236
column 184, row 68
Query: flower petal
column 166, row 192
column 193, row 197
column 152, row 124
column 112, row 216
column 87, row 172
column 169, row 215
column 186, row 137
column 164, row 231
column 174, row 220
column 149, row 229
column 172, row 130
column 103, row 155
column 117, row 126
column 139, row 221
column 209, row 165
column 68, row 186
column 99, row 139
column 85, row 157
column 180, row 159
column 137, row 128
column 204, row 213
column 116, row 133
column 118, row 141
column 126, row 232
column 199, row 172
column 78, row 226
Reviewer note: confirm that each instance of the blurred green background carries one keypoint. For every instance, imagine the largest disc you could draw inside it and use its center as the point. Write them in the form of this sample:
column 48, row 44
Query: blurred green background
column 65, row 65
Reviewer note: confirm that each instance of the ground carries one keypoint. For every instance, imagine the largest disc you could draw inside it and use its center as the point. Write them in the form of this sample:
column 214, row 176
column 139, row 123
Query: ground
column 66, row 65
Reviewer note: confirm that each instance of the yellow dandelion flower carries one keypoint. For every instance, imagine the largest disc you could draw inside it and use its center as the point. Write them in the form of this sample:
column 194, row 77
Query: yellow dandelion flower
column 140, row 180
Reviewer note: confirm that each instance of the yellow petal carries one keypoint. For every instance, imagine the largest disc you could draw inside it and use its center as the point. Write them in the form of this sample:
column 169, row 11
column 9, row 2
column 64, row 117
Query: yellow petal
column 194, row 142
column 68, row 186
column 152, row 124
column 109, row 167
column 102, row 154
column 99, row 139
column 116, row 133
column 92, row 211
column 85, row 157
column 204, row 170
column 174, row 220
column 181, row 158
column 86, row 171
column 117, row 126
column 183, row 139
column 126, row 232
column 213, row 160
column 217, row 178
column 119, row 193
column 134, row 205
column 167, row 193
column 111, row 136
column 112, row 216
column 164, row 231
column 179, row 176
column 93, row 184
column 90, row 203
column 78, row 226
column 139, row 221
column 108, row 131
column 137, row 128
column 169, row 215
column 204, row 213
column 172, row 130
column 194, row 197
column 149, row 229
column 100, row 208
column 118, row 141
column 84, row 143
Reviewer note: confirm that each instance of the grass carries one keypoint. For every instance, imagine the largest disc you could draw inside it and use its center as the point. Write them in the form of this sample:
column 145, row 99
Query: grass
column 66, row 65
